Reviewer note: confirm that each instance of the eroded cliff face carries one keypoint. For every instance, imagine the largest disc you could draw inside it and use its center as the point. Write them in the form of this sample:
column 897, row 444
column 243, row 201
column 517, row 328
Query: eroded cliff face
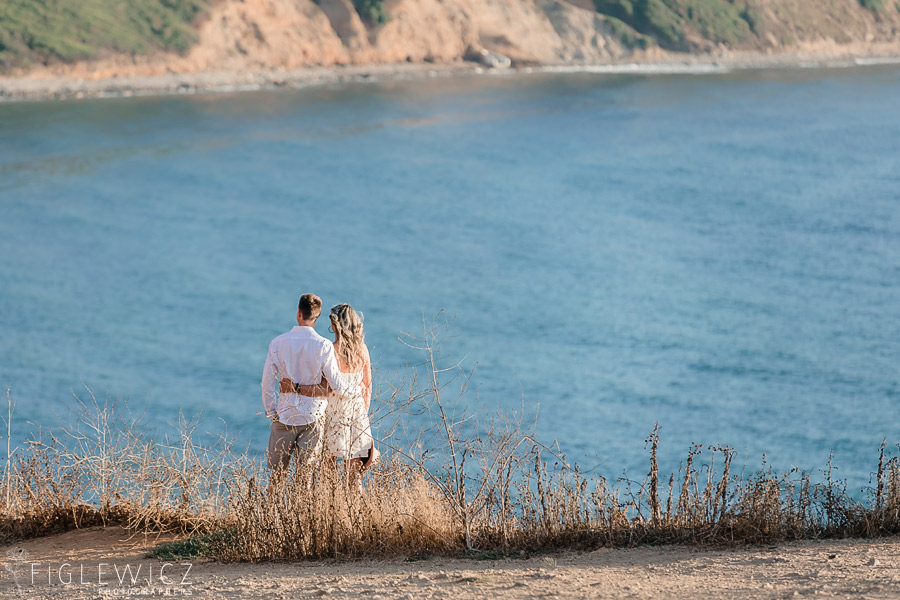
column 294, row 33
column 290, row 34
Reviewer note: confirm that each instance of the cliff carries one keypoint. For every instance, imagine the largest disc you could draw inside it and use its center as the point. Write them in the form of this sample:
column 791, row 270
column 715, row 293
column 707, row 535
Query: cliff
column 242, row 35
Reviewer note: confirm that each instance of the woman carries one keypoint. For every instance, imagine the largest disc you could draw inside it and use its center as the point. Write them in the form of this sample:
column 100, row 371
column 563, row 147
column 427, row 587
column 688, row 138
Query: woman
column 347, row 432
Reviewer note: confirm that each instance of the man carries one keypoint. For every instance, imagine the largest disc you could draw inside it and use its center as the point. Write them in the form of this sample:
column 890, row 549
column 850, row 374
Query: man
column 303, row 356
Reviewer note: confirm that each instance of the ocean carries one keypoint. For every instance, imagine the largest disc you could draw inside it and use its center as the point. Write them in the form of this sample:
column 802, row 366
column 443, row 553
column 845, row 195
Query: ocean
column 718, row 253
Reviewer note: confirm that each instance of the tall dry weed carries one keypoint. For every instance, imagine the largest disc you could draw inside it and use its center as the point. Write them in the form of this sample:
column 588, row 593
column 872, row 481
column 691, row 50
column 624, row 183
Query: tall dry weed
column 468, row 481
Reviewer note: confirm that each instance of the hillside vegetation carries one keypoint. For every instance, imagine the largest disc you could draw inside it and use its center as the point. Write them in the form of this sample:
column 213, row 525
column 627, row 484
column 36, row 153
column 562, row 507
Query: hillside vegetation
column 672, row 22
column 687, row 25
column 66, row 30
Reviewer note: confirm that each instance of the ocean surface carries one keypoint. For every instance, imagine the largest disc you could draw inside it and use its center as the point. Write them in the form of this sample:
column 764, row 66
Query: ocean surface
column 718, row 253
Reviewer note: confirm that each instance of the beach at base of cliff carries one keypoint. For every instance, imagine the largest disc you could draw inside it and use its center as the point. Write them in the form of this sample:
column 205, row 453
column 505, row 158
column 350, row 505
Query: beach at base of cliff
column 78, row 81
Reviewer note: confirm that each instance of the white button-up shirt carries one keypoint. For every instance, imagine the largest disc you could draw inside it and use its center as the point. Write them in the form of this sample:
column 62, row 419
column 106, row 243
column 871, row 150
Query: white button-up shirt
column 303, row 356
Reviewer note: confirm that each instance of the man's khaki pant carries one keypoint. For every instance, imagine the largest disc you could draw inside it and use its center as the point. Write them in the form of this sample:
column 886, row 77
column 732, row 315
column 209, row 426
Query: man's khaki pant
column 287, row 439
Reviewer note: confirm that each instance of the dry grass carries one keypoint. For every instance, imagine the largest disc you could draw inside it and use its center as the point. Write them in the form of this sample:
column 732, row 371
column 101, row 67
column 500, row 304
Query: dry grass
column 100, row 471
column 462, row 485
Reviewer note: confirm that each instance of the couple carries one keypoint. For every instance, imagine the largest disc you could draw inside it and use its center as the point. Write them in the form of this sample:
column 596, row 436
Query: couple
column 317, row 393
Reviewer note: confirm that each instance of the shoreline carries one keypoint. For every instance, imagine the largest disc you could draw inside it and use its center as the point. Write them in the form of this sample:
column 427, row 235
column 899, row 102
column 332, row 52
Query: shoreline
column 40, row 86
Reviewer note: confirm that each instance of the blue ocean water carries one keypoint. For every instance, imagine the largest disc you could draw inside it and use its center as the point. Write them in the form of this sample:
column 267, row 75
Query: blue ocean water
column 716, row 253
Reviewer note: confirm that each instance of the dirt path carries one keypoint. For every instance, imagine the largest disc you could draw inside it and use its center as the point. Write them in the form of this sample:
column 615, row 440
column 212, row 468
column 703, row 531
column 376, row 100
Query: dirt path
column 75, row 562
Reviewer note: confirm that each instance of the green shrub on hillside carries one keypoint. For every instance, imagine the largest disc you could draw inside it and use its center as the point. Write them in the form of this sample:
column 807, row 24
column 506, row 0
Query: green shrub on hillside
column 372, row 12
column 873, row 5
column 627, row 35
column 650, row 17
column 43, row 31
column 753, row 18
column 720, row 21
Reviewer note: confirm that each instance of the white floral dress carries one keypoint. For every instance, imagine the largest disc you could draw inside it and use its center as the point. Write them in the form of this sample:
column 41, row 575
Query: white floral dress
column 347, row 431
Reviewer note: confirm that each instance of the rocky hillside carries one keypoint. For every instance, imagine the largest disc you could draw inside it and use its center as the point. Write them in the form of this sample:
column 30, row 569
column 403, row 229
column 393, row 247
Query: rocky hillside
column 152, row 36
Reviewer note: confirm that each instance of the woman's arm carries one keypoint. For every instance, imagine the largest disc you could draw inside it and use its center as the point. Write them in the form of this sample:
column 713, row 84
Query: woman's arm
column 367, row 377
column 312, row 391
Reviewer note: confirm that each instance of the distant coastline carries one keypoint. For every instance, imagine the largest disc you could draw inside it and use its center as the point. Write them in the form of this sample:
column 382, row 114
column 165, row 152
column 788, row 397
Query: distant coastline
column 203, row 46
column 52, row 85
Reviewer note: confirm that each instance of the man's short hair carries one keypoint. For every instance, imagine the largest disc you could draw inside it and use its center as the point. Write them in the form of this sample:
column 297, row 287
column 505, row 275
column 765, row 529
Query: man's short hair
column 310, row 306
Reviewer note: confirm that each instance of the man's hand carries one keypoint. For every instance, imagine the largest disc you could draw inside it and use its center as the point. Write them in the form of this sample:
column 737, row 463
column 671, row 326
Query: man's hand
column 287, row 386
column 318, row 390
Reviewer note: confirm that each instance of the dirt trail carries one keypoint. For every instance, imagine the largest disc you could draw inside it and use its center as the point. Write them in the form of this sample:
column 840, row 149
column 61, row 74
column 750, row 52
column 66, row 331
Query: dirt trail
column 828, row 569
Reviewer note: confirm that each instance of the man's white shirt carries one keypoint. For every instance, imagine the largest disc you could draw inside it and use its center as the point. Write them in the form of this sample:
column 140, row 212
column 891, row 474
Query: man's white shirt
column 303, row 356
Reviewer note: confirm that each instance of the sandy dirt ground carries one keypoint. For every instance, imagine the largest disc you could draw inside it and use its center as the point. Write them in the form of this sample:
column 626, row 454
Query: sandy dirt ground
column 104, row 563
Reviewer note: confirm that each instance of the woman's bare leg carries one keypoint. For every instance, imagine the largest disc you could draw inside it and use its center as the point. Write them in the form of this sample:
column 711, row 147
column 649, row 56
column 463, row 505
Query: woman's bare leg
column 354, row 470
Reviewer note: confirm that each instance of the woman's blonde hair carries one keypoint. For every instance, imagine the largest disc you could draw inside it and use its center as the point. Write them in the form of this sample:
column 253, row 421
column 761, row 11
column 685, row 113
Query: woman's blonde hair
column 348, row 330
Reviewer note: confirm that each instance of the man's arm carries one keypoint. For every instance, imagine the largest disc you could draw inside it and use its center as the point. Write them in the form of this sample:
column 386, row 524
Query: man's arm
column 318, row 390
column 334, row 377
column 268, row 383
